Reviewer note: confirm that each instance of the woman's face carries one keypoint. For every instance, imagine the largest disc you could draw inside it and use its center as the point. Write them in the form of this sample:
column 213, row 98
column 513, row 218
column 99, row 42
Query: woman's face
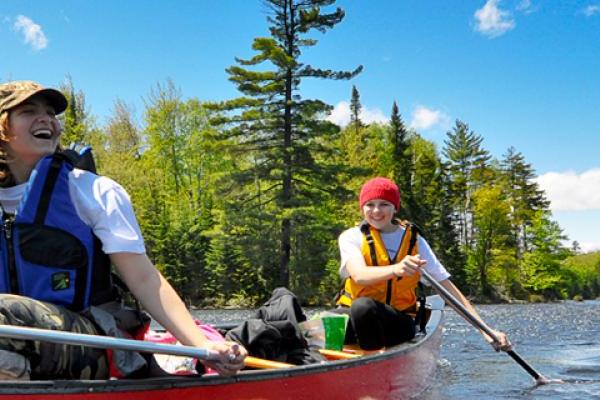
column 379, row 214
column 33, row 131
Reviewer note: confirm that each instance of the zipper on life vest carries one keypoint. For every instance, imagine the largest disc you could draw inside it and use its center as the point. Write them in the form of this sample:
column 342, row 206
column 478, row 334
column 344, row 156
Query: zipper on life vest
column 12, row 267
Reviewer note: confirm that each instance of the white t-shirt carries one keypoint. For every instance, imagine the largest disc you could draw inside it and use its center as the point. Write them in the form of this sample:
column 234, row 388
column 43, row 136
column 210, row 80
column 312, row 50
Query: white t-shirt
column 350, row 242
column 101, row 203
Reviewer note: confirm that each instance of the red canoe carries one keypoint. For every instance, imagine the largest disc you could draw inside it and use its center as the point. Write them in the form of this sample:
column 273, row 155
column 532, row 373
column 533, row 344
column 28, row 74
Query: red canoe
column 400, row 372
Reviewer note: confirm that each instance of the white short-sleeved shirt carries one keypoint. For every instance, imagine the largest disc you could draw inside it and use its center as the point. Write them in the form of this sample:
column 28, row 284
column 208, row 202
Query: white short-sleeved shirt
column 350, row 242
column 101, row 203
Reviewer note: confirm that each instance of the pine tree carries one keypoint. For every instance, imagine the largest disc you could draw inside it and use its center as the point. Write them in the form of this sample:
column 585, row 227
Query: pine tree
column 524, row 195
column 402, row 161
column 442, row 236
column 468, row 169
column 281, row 137
column 355, row 109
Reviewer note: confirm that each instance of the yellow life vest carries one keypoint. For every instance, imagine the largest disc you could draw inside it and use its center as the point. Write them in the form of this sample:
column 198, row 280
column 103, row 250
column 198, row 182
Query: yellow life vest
column 397, row 292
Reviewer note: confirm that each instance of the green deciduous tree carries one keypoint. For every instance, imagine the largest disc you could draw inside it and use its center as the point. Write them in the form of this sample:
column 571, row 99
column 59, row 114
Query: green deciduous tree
column 176, row 168
column 491, row 224
column 542, row 262
column 78, row 125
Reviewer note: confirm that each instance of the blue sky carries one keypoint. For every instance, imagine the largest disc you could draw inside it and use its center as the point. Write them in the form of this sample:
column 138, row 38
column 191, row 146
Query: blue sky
column 520, row 73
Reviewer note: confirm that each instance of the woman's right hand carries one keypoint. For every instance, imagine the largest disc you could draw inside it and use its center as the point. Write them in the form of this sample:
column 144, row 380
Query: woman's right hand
column 503, row 344
column 231, row 357
column 408, row 266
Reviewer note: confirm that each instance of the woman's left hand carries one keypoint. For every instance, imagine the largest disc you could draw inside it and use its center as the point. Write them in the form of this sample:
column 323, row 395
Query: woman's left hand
column 231, row 357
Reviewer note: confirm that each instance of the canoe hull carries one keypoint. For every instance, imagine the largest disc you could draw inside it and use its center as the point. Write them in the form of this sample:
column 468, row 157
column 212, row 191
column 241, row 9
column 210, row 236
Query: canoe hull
column 400, row 373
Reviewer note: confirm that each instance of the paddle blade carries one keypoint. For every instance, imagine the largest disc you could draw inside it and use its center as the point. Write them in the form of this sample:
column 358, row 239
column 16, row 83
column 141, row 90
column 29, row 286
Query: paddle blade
column 542, row 380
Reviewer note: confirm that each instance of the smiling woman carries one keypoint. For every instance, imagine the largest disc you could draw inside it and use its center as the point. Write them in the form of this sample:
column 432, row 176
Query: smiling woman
column 58, row 249
column 382, row 262
column 35, row 133
column 34, row 128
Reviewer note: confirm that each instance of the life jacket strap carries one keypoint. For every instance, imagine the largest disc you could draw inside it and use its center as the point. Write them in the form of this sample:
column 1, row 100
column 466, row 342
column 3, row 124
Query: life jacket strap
column 364, row 228
column 48, row 188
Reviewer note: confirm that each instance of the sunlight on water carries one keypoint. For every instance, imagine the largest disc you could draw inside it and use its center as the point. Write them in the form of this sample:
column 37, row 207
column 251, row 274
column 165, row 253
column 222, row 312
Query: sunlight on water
column 560, row 340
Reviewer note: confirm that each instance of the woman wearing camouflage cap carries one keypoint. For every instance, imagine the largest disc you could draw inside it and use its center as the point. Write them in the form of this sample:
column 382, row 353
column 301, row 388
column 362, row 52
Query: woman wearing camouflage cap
column 63, row 227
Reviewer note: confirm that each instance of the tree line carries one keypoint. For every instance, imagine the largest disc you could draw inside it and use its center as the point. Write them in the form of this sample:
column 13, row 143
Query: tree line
column 235, row 198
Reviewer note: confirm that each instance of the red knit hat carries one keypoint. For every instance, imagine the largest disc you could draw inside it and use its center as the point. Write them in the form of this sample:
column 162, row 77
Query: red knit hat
column 380, row 188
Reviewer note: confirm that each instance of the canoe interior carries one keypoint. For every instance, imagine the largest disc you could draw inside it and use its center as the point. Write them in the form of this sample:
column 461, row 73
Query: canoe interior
column 400, row 372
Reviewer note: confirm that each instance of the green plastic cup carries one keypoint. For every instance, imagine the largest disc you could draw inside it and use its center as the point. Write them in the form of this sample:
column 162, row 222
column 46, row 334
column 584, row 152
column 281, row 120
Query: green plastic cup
column 335, row 331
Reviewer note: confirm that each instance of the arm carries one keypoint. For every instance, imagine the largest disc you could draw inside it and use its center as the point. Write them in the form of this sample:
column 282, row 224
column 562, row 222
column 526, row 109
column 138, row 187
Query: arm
column 105, row 206
column 504, row 343
column 162, row 302
column 355, row 266
column 364, row 275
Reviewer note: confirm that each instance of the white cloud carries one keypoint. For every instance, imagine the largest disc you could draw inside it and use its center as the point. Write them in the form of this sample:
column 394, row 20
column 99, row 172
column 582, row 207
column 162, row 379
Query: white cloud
column 425, row 118
column 588, row 247
column 492, row 21
column 373, row 115
column 569, row 191
column 32, row 32
column 591, row 10
column 341, row 115
column 422, row 117
column 65, row 16
column 526, row 7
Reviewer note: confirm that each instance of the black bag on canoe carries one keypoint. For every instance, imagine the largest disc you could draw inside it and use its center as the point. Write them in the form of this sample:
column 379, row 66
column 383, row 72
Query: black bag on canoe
column 274, row 334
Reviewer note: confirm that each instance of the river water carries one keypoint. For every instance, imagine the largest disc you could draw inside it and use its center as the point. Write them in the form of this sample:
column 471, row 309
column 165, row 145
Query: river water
column 560, row 340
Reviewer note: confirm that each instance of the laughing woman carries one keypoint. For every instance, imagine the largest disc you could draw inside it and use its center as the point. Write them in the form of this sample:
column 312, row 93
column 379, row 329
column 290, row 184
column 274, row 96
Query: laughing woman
column 62, row 229
column 380, row 262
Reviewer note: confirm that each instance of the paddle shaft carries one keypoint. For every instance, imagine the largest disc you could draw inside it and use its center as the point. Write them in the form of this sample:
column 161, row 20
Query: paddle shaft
column 477, row 323
column 104, row 342
column 109, row 342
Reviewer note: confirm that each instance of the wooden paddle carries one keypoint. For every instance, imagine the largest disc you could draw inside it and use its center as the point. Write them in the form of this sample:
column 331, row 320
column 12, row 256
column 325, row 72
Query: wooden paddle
column 338, row 355
column 109, row 342
column 448, row 297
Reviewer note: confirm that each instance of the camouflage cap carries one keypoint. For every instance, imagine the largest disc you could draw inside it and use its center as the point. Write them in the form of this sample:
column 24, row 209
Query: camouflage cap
column 14, row 93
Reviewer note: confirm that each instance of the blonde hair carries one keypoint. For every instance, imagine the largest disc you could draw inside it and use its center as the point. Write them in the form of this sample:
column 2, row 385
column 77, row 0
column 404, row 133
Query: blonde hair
column 6, row 177
column 3, row 124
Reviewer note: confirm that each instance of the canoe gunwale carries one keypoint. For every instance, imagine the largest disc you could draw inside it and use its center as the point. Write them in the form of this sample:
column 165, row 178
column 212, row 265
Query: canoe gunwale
column 434, row 326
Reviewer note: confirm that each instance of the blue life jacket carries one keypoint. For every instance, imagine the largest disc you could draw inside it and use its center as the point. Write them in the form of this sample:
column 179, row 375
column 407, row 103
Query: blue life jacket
column 46, row 251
